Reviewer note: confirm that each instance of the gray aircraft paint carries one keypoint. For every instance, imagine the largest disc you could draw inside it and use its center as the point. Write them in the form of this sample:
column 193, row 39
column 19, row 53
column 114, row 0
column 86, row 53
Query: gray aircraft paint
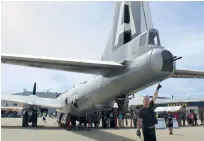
column 140, row 13
column 143, row 67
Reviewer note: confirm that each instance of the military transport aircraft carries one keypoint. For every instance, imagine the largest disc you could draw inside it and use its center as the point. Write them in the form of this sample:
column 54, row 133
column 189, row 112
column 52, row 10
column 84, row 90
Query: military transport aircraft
column 134, row 59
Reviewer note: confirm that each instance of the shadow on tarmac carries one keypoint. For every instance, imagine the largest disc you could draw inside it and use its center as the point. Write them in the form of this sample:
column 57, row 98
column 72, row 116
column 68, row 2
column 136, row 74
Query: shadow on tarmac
column 100, row 135
column 32, row 128
column 95, row 134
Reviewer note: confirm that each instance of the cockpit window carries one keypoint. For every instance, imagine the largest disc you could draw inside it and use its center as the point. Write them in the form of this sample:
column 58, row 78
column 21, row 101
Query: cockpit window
column 154, row 38
column 143, row 40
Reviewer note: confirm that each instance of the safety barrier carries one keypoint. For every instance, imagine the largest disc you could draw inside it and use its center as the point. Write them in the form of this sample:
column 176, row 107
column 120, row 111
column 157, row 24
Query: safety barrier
column 128, row 125
column 161, row 124
column 175, row 123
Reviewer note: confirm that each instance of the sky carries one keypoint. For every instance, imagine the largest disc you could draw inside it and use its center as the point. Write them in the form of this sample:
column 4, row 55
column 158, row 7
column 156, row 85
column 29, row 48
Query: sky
column 80, row 30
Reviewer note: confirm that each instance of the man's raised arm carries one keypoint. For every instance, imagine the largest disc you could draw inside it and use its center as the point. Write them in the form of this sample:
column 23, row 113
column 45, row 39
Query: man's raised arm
column 156, row 93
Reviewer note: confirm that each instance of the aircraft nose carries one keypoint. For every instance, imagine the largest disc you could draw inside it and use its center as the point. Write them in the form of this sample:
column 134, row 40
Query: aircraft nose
column 160, row 60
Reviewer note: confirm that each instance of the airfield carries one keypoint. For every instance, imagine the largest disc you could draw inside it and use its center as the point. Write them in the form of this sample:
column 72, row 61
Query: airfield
column 11, row 130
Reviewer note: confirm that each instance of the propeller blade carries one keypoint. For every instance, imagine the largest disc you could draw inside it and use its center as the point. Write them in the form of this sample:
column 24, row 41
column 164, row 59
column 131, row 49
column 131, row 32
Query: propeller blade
column 34, row 89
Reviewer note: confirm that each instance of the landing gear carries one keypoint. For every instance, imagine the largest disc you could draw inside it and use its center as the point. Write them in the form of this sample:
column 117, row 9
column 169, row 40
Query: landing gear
column 122, row 102
column 83, row 121
column 73, row 121
column 34, row 118
column 105, row 123
column 25, row 119
column 30, row 116
column 66, row 120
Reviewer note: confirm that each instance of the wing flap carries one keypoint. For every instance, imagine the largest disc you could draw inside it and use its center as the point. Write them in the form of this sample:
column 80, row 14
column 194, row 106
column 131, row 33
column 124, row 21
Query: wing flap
column 32, row 100
column 188, row 74
column 64, row 64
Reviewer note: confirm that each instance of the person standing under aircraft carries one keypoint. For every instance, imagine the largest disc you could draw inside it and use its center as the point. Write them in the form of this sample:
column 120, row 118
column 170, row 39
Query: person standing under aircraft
column 170, row 123
column 195, row 118
column 135, row 119
column 202, row 118
column 184, row 118
column 148, row 117
column 120, row 119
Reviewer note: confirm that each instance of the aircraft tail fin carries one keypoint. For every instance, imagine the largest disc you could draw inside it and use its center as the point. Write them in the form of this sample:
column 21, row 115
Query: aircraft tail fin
column 131, row 18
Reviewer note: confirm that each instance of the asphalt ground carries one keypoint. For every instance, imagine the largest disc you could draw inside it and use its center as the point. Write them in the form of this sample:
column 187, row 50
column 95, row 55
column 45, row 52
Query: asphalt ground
column 11, row 130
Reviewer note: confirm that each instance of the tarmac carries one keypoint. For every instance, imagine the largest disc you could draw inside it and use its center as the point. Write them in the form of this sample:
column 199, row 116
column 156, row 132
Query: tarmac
column 11, row 130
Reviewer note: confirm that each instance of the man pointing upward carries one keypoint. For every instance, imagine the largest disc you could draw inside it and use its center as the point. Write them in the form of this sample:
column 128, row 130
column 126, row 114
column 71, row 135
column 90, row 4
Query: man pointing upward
column 148, row 118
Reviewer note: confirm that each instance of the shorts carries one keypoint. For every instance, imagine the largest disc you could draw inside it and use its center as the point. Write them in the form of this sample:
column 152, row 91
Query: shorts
column 170, row 125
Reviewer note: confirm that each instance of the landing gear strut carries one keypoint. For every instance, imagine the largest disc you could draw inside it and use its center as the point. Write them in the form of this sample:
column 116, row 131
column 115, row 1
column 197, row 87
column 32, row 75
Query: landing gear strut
column 30, row 115
column 25, row 119
column 34, row 118
column 122, row 102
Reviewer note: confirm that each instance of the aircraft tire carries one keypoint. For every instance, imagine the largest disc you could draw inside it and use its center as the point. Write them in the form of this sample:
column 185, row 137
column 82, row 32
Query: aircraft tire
column 34, row 119
column 104, row 123
column 73, row 122
column 25, row 120
column 59, row 117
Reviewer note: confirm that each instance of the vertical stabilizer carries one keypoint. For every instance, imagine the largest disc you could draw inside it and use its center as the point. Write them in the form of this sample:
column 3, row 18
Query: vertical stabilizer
column 131, row 18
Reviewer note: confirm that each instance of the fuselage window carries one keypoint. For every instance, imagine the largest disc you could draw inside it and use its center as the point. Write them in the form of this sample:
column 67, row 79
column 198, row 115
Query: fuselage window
column 126, row 16
column 154, row 38
column 143, row 40
column 127, row 36
column 124, row 37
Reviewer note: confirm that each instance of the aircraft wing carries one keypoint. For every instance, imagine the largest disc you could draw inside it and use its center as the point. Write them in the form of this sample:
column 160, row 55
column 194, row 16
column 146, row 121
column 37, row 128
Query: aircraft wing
column 65, row 64
column 32, row 100
column 188, row 74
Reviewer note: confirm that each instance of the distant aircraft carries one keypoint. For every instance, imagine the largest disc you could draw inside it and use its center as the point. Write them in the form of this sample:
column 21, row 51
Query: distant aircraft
column 133, row 60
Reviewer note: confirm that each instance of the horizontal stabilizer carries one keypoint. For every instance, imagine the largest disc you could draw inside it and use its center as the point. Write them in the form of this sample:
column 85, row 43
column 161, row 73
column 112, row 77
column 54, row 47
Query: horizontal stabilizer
column 32, row 100
column 188, row 74
column 65, row 64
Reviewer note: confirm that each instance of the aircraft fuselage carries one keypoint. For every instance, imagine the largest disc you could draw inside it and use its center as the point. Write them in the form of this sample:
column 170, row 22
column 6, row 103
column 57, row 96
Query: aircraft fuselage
column 138, row 74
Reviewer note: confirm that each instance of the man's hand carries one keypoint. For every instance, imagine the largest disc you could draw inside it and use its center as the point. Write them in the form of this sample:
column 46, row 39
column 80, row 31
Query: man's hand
column 156, row 93
column 159, row 86
column 138, row 133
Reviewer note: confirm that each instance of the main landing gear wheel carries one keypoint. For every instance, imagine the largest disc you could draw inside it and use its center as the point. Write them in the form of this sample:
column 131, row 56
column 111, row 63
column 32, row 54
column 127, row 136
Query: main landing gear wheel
column 29, row 119
column 25, row 119
column 73, row 122
column 34, row 119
